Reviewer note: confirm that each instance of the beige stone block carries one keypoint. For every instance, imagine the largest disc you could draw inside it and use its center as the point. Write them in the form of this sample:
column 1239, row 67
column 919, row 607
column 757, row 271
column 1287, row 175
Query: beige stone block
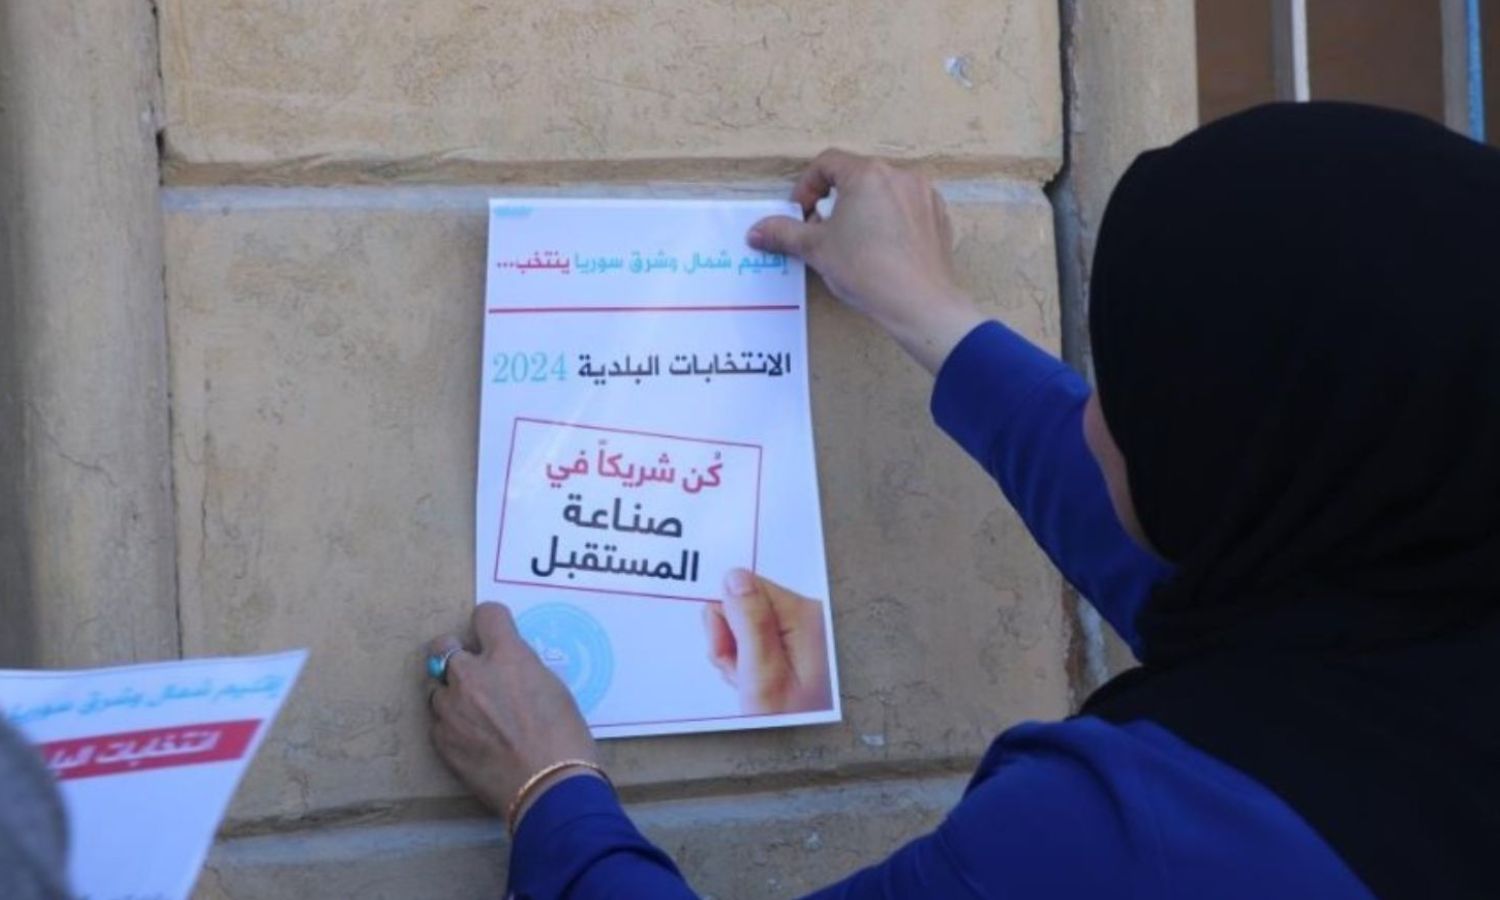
column 759, row 845
column 388, row 89
column 86, row 543
column 325, row 352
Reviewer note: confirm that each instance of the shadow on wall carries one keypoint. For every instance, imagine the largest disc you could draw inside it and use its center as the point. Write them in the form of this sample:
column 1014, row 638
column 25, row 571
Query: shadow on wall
column 17, row 629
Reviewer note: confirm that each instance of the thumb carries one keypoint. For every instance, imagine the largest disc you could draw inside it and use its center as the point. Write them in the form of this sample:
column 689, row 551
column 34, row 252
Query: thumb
column 790, row 607
column 757, row 628
column 783, row 234
column 803, row 636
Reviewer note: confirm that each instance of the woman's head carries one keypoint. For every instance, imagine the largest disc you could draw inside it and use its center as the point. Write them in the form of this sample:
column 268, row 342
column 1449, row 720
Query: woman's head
column 1296, row 328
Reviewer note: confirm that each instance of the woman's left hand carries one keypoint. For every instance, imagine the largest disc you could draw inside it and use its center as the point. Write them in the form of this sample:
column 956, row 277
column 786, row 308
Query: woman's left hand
column 502, row 716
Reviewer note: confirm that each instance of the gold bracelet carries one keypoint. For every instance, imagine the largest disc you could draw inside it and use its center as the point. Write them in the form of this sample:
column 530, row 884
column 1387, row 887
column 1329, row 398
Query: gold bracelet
column 542, row 775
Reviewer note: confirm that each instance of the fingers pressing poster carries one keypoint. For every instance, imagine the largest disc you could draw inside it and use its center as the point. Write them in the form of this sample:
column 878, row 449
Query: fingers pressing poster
column 645, row 431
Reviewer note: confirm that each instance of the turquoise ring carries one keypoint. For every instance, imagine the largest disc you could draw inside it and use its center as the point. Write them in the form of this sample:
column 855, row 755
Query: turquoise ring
column 437, row 666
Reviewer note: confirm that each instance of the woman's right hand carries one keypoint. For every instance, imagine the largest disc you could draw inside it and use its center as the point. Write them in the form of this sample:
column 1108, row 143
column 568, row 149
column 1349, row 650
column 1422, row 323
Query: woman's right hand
column 886, row 250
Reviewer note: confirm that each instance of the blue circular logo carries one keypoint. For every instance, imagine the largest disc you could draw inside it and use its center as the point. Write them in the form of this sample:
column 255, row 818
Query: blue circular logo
column 574, row 647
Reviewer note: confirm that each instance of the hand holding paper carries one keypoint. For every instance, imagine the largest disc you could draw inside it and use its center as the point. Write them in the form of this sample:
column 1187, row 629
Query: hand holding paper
column 769, row 645
column 502, row 714
column 886, row 250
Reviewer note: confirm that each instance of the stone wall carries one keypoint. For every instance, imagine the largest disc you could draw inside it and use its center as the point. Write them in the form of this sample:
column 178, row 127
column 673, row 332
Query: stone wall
column 305, row 286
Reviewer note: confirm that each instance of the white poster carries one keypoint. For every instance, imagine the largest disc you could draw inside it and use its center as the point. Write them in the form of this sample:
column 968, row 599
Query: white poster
column 645, row 428
column 147, row 758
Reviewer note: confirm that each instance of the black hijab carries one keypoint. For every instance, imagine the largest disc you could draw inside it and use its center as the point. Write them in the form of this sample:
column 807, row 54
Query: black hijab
column 1296, row 329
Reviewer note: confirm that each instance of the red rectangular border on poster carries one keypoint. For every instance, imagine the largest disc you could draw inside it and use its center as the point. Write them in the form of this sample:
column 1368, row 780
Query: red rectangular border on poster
column 505, row 499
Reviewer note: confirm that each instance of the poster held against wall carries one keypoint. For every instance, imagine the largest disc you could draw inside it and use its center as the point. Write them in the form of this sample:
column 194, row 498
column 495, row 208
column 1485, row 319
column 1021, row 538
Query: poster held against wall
column 645, row 427
column 147, row 758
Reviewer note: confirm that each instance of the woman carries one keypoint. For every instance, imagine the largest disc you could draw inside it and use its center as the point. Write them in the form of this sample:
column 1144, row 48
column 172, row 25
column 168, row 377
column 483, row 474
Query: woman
column 1296, row 327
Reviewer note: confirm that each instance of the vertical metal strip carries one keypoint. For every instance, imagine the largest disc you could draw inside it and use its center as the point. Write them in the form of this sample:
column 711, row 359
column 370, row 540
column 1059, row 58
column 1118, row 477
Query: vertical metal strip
column 1289, row 62
column 1475, row 55
column 1463, row 70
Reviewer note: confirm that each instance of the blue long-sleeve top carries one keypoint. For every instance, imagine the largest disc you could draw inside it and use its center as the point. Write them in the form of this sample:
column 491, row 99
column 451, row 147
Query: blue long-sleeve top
column 1079, row 808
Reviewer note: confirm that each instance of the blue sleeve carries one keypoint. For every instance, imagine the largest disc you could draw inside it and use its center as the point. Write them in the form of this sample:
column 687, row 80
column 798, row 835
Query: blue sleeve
column 1038, row 825
column 1019, row 412
column 1020, row 831
column 577, row 842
